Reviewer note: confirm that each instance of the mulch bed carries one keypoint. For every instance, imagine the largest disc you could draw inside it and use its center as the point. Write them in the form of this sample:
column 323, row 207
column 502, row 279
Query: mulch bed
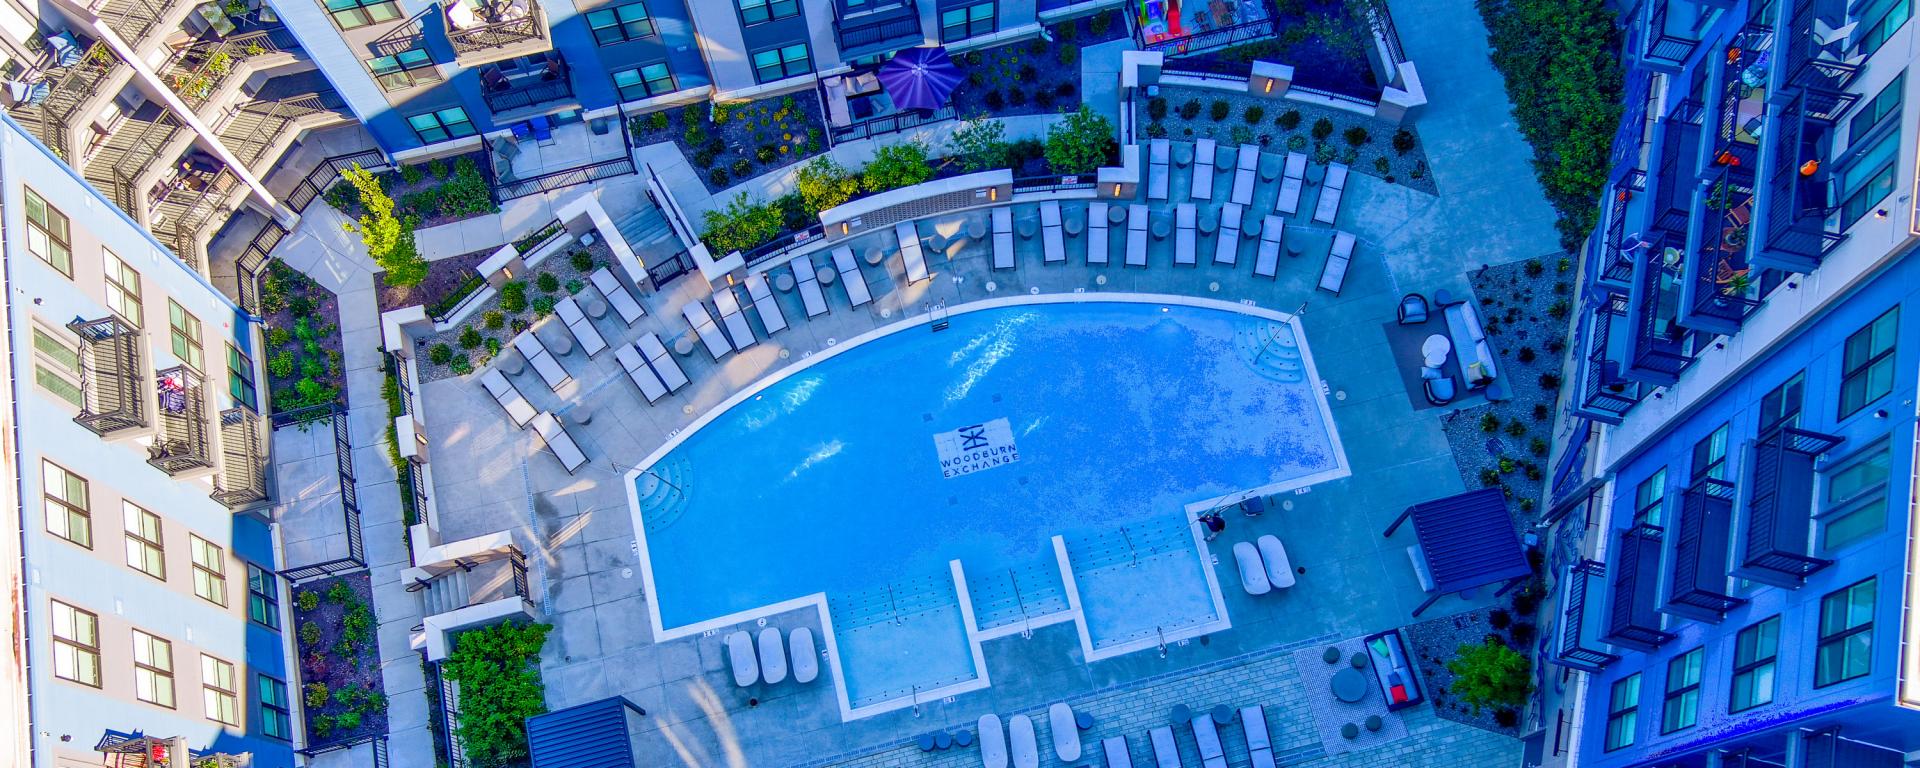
column 1376, row 156
column 323, row 663
column 756, row 136
column 289, row 297
column 1032, row 77
column 1321, row 39
column 560, row 265
column 1435, row 642
column 443, row 277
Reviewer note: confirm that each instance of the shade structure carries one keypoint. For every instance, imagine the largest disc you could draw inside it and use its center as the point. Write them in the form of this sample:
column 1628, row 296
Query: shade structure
column 920, row 78
column 1465, row 541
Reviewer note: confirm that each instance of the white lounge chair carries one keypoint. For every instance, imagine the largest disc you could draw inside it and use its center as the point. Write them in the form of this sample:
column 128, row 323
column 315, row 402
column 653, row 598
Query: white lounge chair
column 1253, row 573
column 1065, row 732
column 910, row 252
column 1226, row 250
column 773, row 656
column 508, row 396
column 746, row 668
column 1274, row 556
column 1202, row 186
column 1253, row 723
column 1158, row 151
column 663, row 364
column 1272, row 232
column 1243, row 173
column 1207, row 738
column 1096, row 233
column 1021, row 742
column 771, row 317
column 710, row 335
column 542, row 361
column 809, row 284
column 854, row 283
column 1328, row 207
column 728, row 305
column 1052, row 240
column 1333, row 274
column 1166, row 751
column 642, row 376
column 1136, row 235
column 993, row 742
column 1115, row 749
column 559, row 441
column 806, row 656
column 1184, row 218
column 582, row 329
column 1002, row 238
column 609, row 286
column 1290, row 183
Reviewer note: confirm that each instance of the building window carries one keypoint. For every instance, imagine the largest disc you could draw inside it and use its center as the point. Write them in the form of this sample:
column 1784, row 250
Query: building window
column 276, row 715
column 69, row 514
column 1884, row 104
column 76, row 645
column 620, row 23
column 184, row 329
column 1681, row 709
column 1867, row 178
column 218, row 692
column 968, row 21
column 209, row 571
column 123, row 289
column 1649, row 496
column 152, row 669
column 1710, row 456
column 1754, row 651
column 144, row 551
column 350, row 14
column 643, row 82
column 48, row 234
column 1854, row 507
column 56, row 368
column 1623, row 712
column 781, row 63
column 1846, row 635
column 403, row 70
column 441, row 125
column 240, row 383
column 1879, row 20
column 1866, row 368
column 760, row 11
column 263, row 597
column 1781, row 407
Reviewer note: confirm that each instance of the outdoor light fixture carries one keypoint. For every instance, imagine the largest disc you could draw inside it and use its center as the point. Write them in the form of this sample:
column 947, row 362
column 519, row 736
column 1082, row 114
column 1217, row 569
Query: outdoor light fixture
column 993, row 193
column 1116, row 189
column 844, row 229
column 507, row 271
column 1879, row 213
column 1269, row 86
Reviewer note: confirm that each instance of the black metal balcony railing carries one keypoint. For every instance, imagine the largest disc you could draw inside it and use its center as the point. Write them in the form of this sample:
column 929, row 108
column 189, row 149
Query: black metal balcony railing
column 251, row 264
column 493, row 30
column 110, row 375
column 1580, row 619
column 1659, row 349
column 1740, row 105
column 1633, row 620
column 1809, row 64
column 1605, row 396
column 518, row 563
column 1666, row 49
column 242, row 481
column 1721, row 285
column 1674, row 183
column 131, row 19
column 181, row 444
column 1780, row 513
column 523, row 92
column 1632, row 134
column 857, row 36
column 69, row 89
column 1614, row 271
column 133, row 145
column 893, row 123
column 355, row 558
column 1797, row 236
column 1700, row 552
column 196, row 72
column 257, row 126
column 180, row 208
column 1209, row 40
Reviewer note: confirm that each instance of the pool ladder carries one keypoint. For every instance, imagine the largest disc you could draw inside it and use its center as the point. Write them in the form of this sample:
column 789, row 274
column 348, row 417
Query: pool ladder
column 937, row 317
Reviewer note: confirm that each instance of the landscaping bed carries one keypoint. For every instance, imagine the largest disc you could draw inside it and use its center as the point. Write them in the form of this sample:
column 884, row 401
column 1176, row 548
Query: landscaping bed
column 1374, row 147
column 304, row 354
column 339, row 659
column 512, row 309
column 739, row 140
column 1436, row 642
column 448, row 281
column 435, row 192
column 1034, row 76
column 1325, row 41
column 498, row 669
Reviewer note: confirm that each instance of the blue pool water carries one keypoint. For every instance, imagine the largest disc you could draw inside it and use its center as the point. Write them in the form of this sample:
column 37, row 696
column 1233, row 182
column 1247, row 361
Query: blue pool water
column 832, row 481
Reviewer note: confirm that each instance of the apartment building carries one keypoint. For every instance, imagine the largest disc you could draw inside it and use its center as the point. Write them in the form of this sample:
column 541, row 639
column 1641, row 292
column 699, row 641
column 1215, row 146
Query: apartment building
column 144, row 578
column 1735, row 548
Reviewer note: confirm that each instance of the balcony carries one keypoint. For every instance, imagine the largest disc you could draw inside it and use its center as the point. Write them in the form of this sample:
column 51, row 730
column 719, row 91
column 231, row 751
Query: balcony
column 1580, row 646
column 1656, row 350
column 1605, row 395
column 1741, row 98
column 486, row 32
column 252, row 129
column 1613, row 265
column 110, row 376
column 182, row 205
column 1633, row 620
column 540, row 82
column 68, row 89
column 1701, row 539
column 1779, row 547
column 1718, row 290
column 181, row 444
column 1796, row 236
column 1673, row 183
column 1668, row 46
column 242, row 481
column 134, row 144
column 132, row 20
column 884, row 27
column 197, row 71
column 1808, row 63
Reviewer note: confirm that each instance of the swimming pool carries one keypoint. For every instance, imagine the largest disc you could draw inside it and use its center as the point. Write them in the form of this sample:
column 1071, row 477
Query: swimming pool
column 862, row 476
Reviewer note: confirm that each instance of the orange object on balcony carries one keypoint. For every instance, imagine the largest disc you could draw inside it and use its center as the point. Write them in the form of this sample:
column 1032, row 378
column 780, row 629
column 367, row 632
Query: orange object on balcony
column 1809, row 167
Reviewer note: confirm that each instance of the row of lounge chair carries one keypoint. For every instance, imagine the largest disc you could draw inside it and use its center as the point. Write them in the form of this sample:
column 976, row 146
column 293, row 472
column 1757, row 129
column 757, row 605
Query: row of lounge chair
column 1263, row 565
column 1018, row 746
column 769, row 664
column 545, row 425
column 651, row 367
column 1246, row 168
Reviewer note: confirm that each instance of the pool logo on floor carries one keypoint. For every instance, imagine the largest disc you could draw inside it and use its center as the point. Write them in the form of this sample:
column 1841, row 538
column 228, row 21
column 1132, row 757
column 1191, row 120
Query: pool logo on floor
column 971, row 449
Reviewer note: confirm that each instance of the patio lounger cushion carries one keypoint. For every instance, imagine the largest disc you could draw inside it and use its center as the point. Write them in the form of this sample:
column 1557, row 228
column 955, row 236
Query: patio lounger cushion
column 746, row 669
column 1136, row 235
column 1051, row 238
column 1335, row 185
column 1333, row 274
column 643, row 377
column 582, row 329
column 1021, row 742
column 806, row 657
column 1115, row 748
column 702, row 322
column 773, row 655
column 1419, row 559
column 910, row 252
column 1002, row 238
column 1096, row 233
column 1202, row 186
column 1253, row 573
column 771, row 317
column 1272, row 233
column 663, row 363
column 1065, row 733
column 508, row 396
column 609, row 286
column 559, row 441
column 1469, row 344
column 1279, row 568
column 1166, row 751
column 1226, row 250
column 1253, row 722
column 1243, row 174
column 728, row 305
column 854, row 283
column 1184, row 217
column 1290, row 184
column 1208, row 739
column 993, row 742
column 1158, row 151
column 542, row 361
column 809, row 283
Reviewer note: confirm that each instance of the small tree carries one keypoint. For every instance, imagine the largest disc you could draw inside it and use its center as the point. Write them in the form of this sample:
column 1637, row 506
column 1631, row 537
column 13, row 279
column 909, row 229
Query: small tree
column 897, row 165
column 823, row 184
column 498, row 669
column 1080, row 143
column 1489, row 675
column 389, row 239
column 743, row 225
column 981, row 144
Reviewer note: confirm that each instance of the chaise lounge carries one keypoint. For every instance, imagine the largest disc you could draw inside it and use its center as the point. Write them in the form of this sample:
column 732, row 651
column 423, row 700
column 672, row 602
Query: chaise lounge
column 1226, row 249
column 1158, row 151
column 1333, row 274
column 1202, row 186
column 559, row 441
column 542, row 361
column 1272, row 232
column 642, row 376
column 582, row 329
column 809, row 284
column 771, row 317
column 508, row 396
column 728, row 304
column 1002, row 238
column 609, row 286
column 702, row 323
column 910, row 252
column 1097, row 234
column 663, row 363
column 1290, row 184
column 1136, row 235
column 1328, row 207
column 1184, row 218
column 851, row 280
column 1052, row 241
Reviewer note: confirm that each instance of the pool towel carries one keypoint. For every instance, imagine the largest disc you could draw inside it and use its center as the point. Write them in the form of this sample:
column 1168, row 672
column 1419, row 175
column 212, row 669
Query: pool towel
column 1166, row 752
column 773, row 656
column 806, row 658
column 746, row 670
column 1253, row 574
column 1024, row 745
column 993, row 742
column 1065, row 732
column 1279, row 568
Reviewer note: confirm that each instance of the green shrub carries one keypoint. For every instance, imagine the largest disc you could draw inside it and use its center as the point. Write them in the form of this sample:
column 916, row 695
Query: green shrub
column 980, row 143
column 1069, row 55
column 460, row 365
column 1190, row 109
column 1550, row 381
column 1253, row 115
column 1219, row 110
column 1288, row 120
column 1097, row 25
column 493, row 347
column 316, row 694
column 900, row 164
column 1489, row 675
column 581, row 260
column 469, row 338
column 719, row 177
column 1403, row 141
column 1322, row 128
column 1489, row 422
column 657, row 121
column 742, row 225
column 1516, row 428
column 1080, row 143
column 498, row 671
column 1296, row 143
column 356, row 627
column 513, row 296
column 437, row 168
column 742, row 168
column 412, row 174
column 1382, row 165
column 280, row 365
column 323, row 725
column 278, row 337
column 388, row 238
column 543, row 306
column 493, row 319
column 823, row 184
column 341, row 594
column 313, row 368
column 1157, row 108
column 546, row 282
column 574, row 287
column 347, row 721
column 1357, row 136
column 306, row 600
column 309, row 633
column 440, row 354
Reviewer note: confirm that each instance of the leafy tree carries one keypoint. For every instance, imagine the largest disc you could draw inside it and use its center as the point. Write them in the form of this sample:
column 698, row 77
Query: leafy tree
column 1080, row 143
column 743, row 225
column 1489, row 675
column 499, row 675
column 897, row 165
column 981, row 143
column 389, row 239
column 823, row 184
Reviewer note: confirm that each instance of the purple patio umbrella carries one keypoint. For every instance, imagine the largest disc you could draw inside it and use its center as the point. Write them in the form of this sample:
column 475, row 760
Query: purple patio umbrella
column 920, row 78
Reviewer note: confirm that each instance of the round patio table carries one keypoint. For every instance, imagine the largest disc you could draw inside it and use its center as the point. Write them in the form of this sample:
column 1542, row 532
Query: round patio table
column 826, row 276
column 976, row 228
column 560, row 346
column 1269, row 167
column 1182, row 154
column 1222, row 714
column 783, row 282
column 581, row 415
column 1251, row 227
column 1161, row 229
column 1181, row 715
column 963, row 739
column 1360, row 661
column 1331, row 655
column 937, row 243
column 925, row 741
column 875, row 255
column 1315, row 172
column 1074, row 222
column 1082, row 720
column 1349, row 685
column 683, row 346
column 1374, row 722
column 511, row 362
column 1116, row 214
column 1293, row 248
column 942, row 740
column 1028, row 228
column 594, row 308
column 1209, row 221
